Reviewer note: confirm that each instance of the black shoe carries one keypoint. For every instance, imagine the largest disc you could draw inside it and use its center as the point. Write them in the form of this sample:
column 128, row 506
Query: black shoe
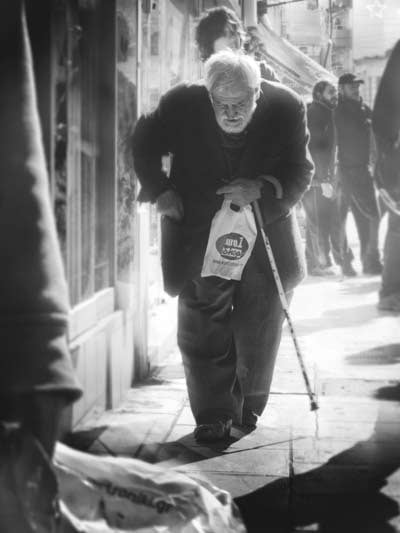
column 348, row 270
column 249, row 420
column 214, row 431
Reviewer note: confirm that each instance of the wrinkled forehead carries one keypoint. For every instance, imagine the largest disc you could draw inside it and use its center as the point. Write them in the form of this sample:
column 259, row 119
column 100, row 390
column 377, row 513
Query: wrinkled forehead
column 231, row 94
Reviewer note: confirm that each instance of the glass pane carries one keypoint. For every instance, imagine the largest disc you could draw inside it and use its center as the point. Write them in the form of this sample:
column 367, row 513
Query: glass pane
column 127, row 115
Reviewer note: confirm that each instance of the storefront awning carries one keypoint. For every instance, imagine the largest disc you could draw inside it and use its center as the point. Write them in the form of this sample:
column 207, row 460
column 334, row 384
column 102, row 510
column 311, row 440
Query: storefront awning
column 294, row 68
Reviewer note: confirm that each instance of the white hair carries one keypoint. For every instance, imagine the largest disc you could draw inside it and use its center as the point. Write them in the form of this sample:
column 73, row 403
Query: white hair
column 227, row 69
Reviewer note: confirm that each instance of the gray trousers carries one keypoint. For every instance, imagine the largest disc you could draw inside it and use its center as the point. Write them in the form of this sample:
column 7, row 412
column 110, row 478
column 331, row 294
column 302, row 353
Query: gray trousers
column 229, row 334
column 391, row 258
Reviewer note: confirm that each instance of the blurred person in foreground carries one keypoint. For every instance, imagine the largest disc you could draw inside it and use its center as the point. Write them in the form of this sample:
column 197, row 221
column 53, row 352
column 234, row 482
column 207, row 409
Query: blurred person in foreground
column 36, row 376
column 323, row 229
column 239, row 138
column 356, row 160
column 221, row 29
column 386, row 125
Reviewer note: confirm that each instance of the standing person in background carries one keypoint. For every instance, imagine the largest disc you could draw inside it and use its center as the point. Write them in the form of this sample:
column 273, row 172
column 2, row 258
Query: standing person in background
column 36, row 375
column 355, row 170
column 220, row 29
column 239, row 138
column 323, row 229
column 386, row 125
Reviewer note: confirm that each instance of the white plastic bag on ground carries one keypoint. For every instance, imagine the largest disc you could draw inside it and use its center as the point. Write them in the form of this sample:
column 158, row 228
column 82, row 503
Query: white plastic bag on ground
column 118, row 494
column 231, row 241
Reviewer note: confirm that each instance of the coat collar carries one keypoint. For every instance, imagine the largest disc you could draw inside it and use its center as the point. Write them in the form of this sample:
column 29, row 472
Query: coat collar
column 253, row 148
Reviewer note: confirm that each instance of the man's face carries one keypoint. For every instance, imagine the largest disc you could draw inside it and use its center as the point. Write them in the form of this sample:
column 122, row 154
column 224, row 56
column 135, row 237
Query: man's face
column 329, row 96
column 351, row 91
column 233, row 107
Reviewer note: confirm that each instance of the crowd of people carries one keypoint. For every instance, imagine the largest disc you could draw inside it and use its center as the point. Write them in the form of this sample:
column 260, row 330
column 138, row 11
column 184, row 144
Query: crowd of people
column 356, row 166
column 343, row 150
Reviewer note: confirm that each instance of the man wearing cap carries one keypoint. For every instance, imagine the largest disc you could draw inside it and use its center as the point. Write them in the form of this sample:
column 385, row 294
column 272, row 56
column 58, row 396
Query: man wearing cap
column 355, row 163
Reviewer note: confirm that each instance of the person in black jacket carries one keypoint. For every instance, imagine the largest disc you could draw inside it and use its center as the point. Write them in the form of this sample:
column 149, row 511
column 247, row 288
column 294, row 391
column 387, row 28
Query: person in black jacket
column 323, row 229
column 386, row 125
column 242, row 139
column 355, row 169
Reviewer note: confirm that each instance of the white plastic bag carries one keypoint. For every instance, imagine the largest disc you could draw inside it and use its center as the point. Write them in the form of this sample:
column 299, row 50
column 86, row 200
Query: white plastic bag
column 118, row 494
column 231, row 241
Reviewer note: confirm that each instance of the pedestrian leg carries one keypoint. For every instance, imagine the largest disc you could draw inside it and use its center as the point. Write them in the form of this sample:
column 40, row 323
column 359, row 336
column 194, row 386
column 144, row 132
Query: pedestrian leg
column 315, row 252
column 258, row 319
column 205, row 339
column 389, row 295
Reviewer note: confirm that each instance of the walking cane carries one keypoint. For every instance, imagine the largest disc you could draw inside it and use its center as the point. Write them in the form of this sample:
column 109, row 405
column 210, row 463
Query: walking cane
column 284, row 303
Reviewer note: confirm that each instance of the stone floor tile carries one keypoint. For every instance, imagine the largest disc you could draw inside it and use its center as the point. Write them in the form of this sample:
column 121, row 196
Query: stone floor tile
column 256, row 462
column 186, row 417
column 236, row 484
column 343, row 430
column 128, row 439
column 319, row 451
column 333, row 479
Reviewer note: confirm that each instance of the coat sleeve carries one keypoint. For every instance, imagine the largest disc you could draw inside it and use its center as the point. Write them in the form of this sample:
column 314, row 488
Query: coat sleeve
column 319, row 142
column 34, row 298
column 154, row 137
column 294, row 168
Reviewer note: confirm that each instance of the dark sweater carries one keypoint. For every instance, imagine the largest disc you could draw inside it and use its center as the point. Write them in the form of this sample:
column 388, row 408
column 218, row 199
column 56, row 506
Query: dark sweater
column 353, row 127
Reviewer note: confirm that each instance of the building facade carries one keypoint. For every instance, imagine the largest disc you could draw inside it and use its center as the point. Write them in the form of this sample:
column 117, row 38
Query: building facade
column 98, row 65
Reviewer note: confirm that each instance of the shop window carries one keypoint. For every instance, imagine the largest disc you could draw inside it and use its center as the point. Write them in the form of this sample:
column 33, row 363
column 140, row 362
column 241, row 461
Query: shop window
column 83, row 203
column 127, row 116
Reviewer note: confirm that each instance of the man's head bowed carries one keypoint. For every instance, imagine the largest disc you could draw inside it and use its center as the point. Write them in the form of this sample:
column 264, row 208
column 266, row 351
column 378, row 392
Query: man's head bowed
column 233, row 82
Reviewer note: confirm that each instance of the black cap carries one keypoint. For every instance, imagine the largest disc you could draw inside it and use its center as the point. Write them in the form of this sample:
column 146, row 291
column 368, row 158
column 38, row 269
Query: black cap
column 349, row 78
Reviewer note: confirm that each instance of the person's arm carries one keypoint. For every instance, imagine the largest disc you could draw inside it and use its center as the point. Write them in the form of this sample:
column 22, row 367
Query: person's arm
column 319, row 142
column 293, row 173
column 154, row 137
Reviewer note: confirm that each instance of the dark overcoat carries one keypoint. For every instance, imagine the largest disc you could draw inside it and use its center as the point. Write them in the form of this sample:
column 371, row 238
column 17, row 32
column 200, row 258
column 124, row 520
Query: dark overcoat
column 184, row 125
column 322, row 141
column 33, row 290
column 353, row 121
column 386, row 124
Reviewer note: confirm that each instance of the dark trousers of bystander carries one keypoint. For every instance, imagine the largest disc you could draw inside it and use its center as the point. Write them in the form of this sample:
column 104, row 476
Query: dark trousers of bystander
column 391, row 259
column 229, row 334
column 357, row 193
column 324, row 231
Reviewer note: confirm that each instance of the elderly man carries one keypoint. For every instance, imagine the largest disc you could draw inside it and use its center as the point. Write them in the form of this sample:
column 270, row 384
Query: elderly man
column 239, row 138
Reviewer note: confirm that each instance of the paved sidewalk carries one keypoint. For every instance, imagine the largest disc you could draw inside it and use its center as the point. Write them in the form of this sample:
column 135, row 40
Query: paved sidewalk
column 333, row 471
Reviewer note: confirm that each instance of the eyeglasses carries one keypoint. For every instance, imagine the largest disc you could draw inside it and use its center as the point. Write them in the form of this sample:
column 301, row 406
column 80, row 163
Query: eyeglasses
column 243, row 105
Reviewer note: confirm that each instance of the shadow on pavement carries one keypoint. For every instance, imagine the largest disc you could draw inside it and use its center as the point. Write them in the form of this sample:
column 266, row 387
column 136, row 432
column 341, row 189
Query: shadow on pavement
column 341, row 496
column 357, row 288
column 338, row 318
column 184, row 450
column 389, row 393
column 388, row 354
